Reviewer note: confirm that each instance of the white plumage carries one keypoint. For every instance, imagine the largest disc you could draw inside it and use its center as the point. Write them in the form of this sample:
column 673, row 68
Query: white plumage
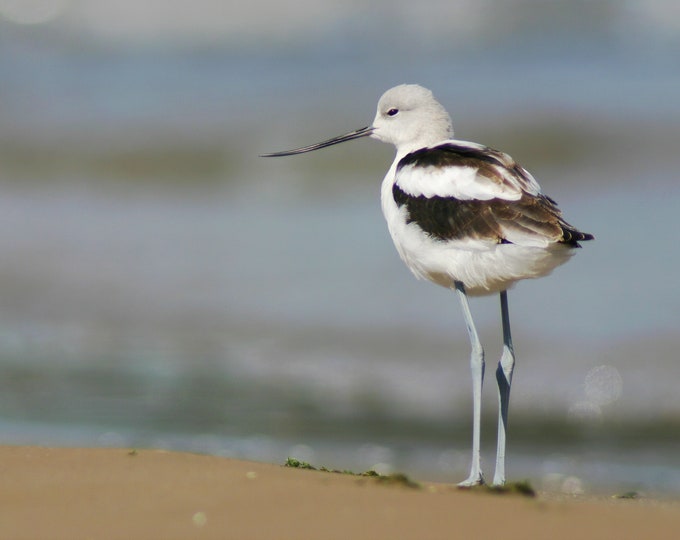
column 465, row 217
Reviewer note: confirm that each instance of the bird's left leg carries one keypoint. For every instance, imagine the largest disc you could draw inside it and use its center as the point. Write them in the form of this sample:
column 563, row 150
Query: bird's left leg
column 504, row 379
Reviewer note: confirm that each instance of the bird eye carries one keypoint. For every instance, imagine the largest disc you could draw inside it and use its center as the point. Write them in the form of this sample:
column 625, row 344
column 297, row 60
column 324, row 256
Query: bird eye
column 392, row 112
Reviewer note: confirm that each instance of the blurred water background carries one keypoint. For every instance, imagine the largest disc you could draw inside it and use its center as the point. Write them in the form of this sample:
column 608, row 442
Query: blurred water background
column 162, row 286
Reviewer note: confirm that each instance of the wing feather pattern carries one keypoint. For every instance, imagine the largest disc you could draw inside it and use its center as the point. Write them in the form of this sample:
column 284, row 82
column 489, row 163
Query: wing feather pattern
column 520, row 214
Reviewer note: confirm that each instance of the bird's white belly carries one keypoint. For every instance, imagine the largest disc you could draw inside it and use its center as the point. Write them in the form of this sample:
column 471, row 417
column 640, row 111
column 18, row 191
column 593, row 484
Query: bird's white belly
column 484, row 267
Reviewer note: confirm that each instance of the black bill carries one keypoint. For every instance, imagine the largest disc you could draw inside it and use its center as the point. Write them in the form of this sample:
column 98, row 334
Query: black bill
column 357, row 134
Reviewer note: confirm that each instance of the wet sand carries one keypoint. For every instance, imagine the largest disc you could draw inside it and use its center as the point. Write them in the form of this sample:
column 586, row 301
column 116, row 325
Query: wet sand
column 77, row 493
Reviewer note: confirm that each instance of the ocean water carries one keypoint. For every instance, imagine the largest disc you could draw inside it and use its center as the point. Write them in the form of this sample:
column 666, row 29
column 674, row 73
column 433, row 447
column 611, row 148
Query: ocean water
column 162, row 286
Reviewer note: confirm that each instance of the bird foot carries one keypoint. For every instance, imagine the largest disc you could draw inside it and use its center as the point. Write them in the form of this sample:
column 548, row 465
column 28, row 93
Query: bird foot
column 472, row 481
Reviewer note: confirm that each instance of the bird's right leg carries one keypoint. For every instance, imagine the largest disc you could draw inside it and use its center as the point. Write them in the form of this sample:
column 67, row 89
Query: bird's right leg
column 477, row 366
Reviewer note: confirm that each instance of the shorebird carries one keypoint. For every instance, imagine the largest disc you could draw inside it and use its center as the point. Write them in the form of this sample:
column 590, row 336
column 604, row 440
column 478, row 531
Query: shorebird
column 468, row 218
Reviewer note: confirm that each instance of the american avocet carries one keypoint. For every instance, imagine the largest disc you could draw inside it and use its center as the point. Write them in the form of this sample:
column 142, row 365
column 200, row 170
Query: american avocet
column 465, row 217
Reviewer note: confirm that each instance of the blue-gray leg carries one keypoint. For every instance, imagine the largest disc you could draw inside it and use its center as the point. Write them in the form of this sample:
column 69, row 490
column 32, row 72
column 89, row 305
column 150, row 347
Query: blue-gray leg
column 477, row 366
column 504, row 379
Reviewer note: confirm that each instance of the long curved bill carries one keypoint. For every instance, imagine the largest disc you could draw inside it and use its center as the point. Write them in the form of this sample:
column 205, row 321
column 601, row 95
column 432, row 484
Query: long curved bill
column 357, row 134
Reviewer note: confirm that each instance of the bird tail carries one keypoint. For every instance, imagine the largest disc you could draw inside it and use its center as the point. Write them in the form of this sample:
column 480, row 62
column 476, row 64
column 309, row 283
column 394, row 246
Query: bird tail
column 572, row 236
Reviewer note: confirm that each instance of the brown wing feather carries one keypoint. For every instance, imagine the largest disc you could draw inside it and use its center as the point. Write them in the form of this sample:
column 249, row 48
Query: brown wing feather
column 531, row 219
column 536, row 216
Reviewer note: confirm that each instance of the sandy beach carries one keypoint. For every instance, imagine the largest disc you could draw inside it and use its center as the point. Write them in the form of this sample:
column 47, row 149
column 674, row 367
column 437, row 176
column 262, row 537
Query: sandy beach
column 74, row 493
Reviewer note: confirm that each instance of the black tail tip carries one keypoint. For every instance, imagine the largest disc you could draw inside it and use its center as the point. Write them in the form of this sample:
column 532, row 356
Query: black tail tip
column 573, row 237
